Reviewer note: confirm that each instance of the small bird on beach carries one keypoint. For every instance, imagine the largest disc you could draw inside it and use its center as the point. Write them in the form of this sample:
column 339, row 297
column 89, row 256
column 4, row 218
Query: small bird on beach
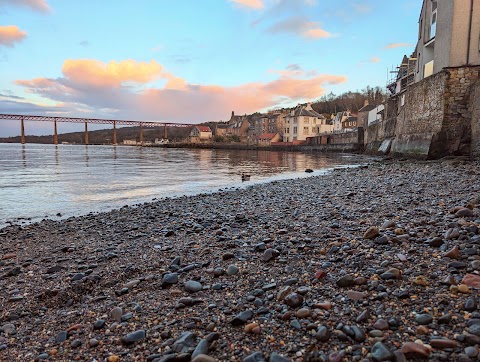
column 245, row 177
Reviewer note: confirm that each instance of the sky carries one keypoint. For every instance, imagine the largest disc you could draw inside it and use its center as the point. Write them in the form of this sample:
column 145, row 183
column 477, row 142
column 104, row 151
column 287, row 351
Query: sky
column 191, row 61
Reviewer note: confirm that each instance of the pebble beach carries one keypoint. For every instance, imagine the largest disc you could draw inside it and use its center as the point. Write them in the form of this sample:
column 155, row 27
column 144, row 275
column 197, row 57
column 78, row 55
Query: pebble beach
column 375, row 263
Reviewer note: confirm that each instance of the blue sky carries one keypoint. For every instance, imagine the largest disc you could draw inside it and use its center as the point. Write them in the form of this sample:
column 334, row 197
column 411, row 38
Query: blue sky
column 188, row 60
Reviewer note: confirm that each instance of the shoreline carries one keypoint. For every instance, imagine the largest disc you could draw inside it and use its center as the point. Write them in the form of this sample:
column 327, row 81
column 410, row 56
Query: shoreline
column 280, row 267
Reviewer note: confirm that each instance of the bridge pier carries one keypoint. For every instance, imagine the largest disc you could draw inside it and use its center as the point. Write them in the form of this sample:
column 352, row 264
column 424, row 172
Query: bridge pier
column 141, row 134
column 114, row 132
column 23, row 130
column 86, row 133
column 165, row 131
column 55, row 134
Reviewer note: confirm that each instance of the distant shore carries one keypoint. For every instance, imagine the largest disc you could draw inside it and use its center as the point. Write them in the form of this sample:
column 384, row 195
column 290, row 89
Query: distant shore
column 371, row 263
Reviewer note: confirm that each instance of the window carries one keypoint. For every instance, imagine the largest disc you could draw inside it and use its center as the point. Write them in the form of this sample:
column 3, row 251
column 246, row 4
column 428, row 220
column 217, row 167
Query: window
column 305, row 130
column 295, row 130
column 314, row 121
column 307, row 120
column 428, row 69
column 433, row 20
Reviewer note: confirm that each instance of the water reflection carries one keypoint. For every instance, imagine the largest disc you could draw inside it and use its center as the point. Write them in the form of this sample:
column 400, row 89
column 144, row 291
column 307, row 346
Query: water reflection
column 56, row 155
column 77, row 179
column 24, row 156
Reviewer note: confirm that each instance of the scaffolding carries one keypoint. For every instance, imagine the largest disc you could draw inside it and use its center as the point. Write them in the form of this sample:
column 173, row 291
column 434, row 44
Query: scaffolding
column 399, row 78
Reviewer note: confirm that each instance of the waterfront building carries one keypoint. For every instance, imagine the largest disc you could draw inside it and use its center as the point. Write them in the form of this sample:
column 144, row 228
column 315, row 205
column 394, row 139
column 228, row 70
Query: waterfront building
column 448, row 36
column 303, row 122
column 200, row 134
column 267, row 139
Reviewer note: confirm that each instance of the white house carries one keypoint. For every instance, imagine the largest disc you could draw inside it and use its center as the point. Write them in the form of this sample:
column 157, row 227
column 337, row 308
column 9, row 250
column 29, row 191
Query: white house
column 376, row 114
column 304, row 122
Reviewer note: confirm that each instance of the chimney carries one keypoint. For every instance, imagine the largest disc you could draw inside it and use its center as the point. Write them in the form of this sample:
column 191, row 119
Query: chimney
column 233, row 113
column 365, row 103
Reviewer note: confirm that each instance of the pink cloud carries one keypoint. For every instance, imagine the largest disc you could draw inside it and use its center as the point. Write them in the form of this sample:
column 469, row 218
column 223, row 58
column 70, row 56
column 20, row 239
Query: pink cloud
column 95, row 73
column 11, row 34
column 300, row 26
column 316, row 33
column 104, row 91
column 37, row 5
column 253, row 4
column 397, row 45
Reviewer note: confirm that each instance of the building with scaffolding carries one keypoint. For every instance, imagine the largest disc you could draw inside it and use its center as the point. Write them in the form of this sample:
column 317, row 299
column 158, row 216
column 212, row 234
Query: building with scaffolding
column 434, row 105
column 402, row 76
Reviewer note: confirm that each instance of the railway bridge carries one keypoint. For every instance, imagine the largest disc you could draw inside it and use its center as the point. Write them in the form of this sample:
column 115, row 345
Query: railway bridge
column 86, row 121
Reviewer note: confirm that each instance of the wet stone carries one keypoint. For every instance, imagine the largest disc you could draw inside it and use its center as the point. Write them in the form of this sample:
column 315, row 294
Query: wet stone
column 61, row 337
column 381, row 352
column 184, row 342
column 133, row 337
column 424, row 319
column 76, row 343
column 293, row 300
column 232, row 270
column 323, row 334
column 443, row 343
column 169, row 279
column 474, row 329
column 99, row 324
column 270, row 254
column 242, row 318
column 346, row 281
column 470, row 305
column 193, row 286
column 116, row 314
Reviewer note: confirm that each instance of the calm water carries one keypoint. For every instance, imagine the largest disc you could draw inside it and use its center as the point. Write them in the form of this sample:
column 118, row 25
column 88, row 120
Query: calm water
column 40, row 181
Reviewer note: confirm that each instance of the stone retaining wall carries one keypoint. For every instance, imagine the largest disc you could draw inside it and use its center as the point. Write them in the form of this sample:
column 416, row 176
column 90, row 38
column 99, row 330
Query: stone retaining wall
column 435, row 117
column 474, row 108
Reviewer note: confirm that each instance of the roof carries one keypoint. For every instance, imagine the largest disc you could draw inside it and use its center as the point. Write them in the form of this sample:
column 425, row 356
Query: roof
column 303, row 111
column 350, row 119
column 267, row 136
column 204, row 128
column 367, row 108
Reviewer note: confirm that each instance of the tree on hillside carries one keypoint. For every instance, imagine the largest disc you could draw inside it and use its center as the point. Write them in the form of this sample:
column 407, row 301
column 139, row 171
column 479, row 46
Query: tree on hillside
column 352, row 101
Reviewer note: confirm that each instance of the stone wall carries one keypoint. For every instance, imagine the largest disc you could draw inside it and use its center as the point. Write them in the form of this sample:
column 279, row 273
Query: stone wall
column 455, row 136
column 344, row 142
column 474, row 108
column 433, row 118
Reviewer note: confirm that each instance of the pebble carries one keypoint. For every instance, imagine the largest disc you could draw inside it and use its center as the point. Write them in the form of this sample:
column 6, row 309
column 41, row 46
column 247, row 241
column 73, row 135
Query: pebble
column 193, row 286
column 242, row 318
column 424, row 319
column 346, row 281
column 381, row 352
column 371, row 233
column 293, row 300
column 322, row 292
column 415, row 350
column 133, row 337
column 232, row 270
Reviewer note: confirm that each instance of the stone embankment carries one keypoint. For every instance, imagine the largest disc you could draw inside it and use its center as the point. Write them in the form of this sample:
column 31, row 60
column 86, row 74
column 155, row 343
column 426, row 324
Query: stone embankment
column 371, row 264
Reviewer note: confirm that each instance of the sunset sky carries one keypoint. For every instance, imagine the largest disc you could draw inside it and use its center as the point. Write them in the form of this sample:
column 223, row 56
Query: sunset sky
column 191, row 60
